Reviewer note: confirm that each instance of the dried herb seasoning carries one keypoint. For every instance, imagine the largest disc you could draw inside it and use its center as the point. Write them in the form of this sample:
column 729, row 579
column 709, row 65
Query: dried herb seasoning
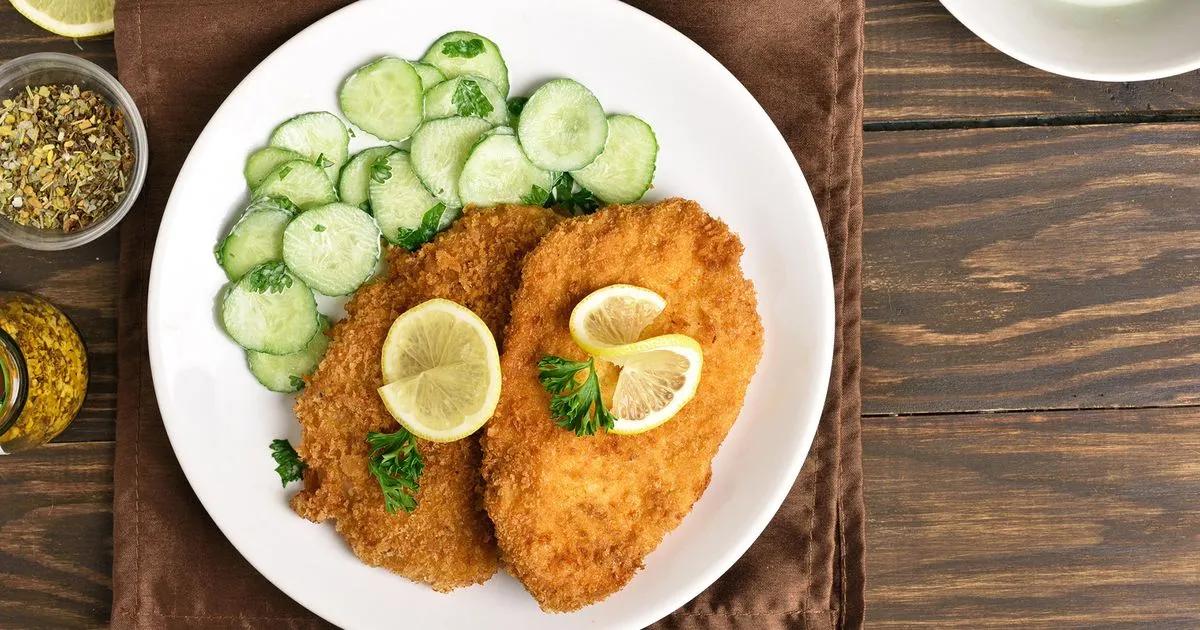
column 65, row 157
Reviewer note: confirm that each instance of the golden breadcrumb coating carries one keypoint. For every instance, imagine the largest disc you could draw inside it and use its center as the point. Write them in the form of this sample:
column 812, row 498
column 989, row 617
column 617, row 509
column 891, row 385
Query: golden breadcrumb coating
column 447, row 541
column 576, row 516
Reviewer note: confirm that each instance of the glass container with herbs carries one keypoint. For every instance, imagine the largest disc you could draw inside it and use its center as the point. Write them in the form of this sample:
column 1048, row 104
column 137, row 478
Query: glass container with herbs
column 43, row 371
column 65, row 157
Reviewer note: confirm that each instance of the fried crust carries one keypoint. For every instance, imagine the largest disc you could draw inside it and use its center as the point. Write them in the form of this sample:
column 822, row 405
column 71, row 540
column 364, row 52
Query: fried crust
column 447, row 541
column 576, row 516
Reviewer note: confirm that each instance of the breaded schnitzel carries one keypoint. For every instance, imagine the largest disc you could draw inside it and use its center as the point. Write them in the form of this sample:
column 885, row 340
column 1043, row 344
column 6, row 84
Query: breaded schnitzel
column 447, row 541
column 576, row 516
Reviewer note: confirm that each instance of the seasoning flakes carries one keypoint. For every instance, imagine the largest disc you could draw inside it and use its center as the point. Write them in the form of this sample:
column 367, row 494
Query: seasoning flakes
column 65, row 157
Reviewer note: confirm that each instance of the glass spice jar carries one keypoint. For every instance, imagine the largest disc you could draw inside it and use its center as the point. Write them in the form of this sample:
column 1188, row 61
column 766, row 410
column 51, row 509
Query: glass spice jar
column 43, row 371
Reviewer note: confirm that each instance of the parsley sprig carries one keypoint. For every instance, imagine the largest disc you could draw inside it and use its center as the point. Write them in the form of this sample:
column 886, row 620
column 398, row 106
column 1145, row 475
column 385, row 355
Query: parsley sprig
column 288, row 463
column 516, row 105
column 565, row 195
column 574, row 405
column 411, row 239
column 468, row 100
column 381, row 170
column 272, row 277
column 465, row 48
column 397, row 465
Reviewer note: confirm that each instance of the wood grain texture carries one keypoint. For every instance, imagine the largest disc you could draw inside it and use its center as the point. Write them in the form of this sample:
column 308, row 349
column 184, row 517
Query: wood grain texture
column 81, row 281
column 923, row 64
column 1063, row 519
column 56, row 536
column 1033, row 268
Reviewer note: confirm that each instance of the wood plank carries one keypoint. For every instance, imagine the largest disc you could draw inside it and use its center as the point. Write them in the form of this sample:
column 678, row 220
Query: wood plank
column 1063, row 519
column 81, row 281
column 56, row 536
column 1033, row 268
column 923, row 64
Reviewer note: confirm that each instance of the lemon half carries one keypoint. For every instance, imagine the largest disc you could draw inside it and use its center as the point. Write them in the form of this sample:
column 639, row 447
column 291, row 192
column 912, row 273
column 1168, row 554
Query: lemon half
column 613, row 316
column 658, row 377
column 69, row 18
column 441, row 371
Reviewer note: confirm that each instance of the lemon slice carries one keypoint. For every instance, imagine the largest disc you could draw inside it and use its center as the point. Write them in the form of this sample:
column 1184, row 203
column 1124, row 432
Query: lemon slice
column 441, row 371
column 69, row 18
column 658, row 377
column 613, row 316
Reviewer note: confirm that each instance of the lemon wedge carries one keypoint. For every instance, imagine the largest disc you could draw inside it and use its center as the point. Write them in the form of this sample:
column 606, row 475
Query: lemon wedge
column 658, row 377
column 441, row 371
column 69, row 18
column 613, row 316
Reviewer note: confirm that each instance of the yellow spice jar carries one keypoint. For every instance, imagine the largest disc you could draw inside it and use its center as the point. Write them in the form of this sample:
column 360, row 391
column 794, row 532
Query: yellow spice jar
column 43, row 371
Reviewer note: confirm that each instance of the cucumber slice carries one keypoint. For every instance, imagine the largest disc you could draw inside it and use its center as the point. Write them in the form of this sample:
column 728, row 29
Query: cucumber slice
column 315, row 135
column 497, row 172
column 383, row 98
column 399, row 200
column 257, row 237
column 334, row 248
column 466, row 96
column 562, row 127
column 463, row 52
column 356, row 175
column 270, row 310
column 439, row 150
column 301, row 182
column 625, row 170
column 263, row 161
column 430, row 75
column 284, row 373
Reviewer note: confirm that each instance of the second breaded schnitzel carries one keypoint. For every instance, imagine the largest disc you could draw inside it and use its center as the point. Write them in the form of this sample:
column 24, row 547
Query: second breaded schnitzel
column 576, row 516
column 447, row 541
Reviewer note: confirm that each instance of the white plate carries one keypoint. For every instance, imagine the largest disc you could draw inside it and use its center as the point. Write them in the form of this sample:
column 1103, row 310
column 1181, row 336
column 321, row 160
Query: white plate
column 718, row 146
column 1100, row 40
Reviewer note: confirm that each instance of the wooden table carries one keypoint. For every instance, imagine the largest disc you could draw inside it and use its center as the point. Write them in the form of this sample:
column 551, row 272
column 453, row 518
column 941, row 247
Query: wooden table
column 1031, row 331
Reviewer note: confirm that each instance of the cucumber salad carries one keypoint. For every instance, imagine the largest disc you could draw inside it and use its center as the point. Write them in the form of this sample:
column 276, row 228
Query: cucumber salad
column 448, row 136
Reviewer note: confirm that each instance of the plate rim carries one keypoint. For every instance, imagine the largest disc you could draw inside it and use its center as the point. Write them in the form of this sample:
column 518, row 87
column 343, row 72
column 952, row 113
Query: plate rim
column 824, row 339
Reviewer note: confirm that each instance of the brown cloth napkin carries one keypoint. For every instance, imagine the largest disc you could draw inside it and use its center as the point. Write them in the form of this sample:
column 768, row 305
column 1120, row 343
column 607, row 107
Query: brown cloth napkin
column 803, row 61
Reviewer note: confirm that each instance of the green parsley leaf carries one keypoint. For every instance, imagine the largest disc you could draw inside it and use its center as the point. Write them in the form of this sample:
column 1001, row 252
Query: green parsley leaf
column 469, row 100
column 381, row 170
column 516, row 105
column 465, row 48
column 287, row 460
column 350, row 130
column 397, row 465
column 574, row 405
column 318, row 228
column 296, row 382
column 411, row 239
column 272, row 277
column 537, row 196
column 570, row 197
column 323, row 161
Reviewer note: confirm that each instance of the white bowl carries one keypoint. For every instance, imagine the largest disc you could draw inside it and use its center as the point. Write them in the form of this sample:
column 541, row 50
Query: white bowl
column 1099, row 40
